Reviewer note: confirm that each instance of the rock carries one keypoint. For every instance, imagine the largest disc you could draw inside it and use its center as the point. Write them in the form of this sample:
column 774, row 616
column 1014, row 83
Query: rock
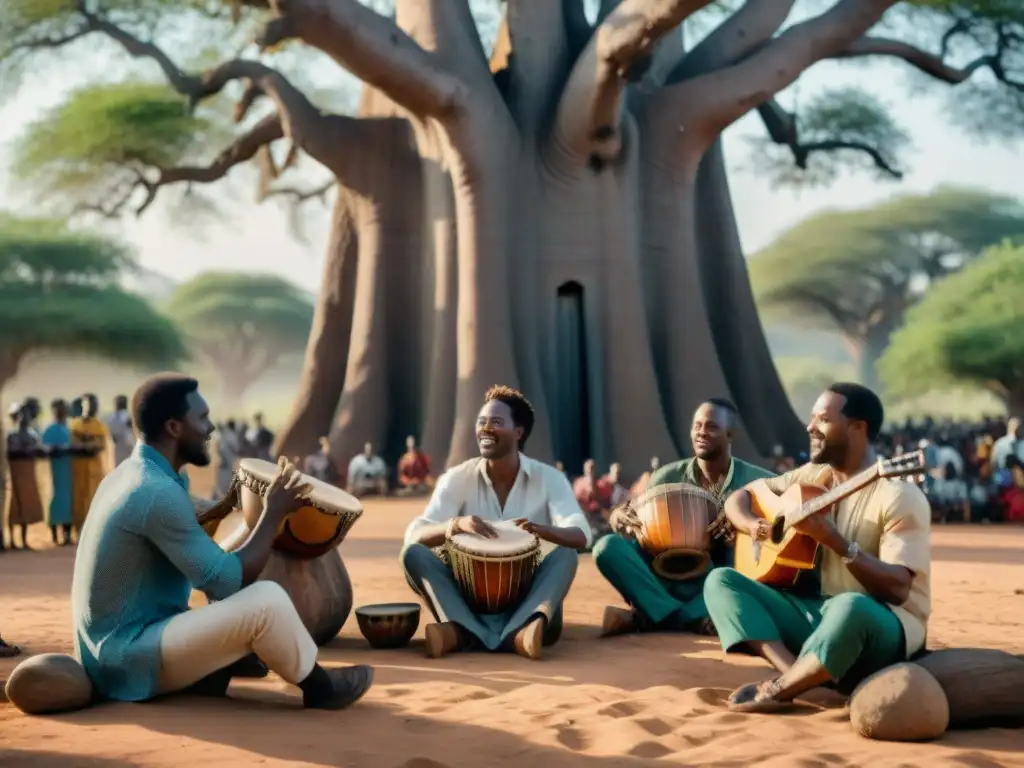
column 984, row 687
column 900, row 703
column 49, row 683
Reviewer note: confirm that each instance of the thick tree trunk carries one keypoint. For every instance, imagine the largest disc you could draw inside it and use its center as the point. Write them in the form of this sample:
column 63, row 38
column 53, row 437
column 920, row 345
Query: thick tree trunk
column 1015, row 401
column 323, row 373
column 547, row 181
column 735, row 325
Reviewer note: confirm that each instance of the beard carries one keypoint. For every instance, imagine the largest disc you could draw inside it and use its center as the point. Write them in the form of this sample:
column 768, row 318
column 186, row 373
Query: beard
column 196, row 455
column 708, row 454
column 827, row 453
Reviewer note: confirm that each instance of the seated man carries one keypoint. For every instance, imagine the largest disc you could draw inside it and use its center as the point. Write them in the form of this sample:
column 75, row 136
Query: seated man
column 663, row 604
column 594, row 498
column 503, row 484
column 414, row 469
column 321, row 466
column 367, row 473
column 144, row 550
column 874, row 563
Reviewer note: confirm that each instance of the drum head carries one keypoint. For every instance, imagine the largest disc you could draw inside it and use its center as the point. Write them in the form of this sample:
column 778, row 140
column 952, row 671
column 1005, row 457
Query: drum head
column 512, row 540
column 388, row 609
column 683, row 489
column 327, row 497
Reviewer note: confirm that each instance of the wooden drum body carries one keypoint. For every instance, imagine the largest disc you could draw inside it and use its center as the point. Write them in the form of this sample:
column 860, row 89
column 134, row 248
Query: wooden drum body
column 313, row 530
column 674, row 522
column 494, row 575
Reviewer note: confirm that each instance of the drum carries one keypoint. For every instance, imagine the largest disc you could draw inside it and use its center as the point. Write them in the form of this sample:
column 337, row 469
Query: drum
column 314, row 529
column 494, row 574
column 674, row 521
column 388, row 625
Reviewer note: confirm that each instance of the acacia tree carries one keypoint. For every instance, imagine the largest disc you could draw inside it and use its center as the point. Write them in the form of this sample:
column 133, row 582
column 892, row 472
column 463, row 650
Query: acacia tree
column 60, row 291
column 967, row 330
column 860, row 270
column 240, row 325
column 581, row 148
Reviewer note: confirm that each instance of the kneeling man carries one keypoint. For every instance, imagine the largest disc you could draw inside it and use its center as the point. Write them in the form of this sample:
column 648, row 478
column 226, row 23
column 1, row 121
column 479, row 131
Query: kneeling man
column 874, row 562
column 664, row 604
column 143, row 550
column 503, row 484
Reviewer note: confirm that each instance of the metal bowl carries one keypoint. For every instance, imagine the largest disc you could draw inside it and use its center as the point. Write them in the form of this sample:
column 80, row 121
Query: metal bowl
column 388, row 625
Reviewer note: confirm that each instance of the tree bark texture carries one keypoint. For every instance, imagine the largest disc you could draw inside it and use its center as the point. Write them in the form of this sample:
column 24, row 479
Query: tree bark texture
column 582, row 157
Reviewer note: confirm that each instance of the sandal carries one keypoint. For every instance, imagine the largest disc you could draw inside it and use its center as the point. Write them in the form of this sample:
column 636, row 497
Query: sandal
column 758, row 698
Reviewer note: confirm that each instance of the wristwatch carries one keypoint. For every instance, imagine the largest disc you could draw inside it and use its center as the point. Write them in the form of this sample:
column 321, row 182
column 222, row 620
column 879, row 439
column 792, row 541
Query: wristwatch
column 852, row 552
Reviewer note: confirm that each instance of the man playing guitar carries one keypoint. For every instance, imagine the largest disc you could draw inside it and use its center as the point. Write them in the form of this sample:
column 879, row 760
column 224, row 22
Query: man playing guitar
column 874, row 567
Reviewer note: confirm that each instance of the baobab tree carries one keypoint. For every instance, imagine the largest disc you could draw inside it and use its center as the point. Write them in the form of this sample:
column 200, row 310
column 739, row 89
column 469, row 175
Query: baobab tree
column 579, row 158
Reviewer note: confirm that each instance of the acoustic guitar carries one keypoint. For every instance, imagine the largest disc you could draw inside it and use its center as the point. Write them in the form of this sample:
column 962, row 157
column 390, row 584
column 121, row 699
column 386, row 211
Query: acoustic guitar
column 778, row 562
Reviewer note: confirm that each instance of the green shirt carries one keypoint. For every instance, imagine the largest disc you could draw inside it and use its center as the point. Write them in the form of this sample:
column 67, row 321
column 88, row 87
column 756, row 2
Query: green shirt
column 685, row 471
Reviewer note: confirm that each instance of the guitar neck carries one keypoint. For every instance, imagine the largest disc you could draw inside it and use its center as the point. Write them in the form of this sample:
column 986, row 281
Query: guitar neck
column 814, row 506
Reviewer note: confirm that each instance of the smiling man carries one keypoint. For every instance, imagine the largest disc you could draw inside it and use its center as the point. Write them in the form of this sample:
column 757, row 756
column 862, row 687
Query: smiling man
column 874, row 564
column 503, row 484
column 663, row 604
column 143, row 550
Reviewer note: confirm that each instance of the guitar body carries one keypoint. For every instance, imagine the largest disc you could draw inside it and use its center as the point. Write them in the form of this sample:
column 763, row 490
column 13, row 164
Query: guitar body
column 777, row 565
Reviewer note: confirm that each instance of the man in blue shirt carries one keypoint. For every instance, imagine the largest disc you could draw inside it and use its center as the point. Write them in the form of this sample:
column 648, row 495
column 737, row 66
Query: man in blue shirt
column 143, row 550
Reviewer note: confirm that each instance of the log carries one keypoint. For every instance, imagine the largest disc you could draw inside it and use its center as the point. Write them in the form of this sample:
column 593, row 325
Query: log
column 985, row 687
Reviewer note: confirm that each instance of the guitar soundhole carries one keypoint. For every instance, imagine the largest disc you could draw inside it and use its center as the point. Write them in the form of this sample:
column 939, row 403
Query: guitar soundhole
column 777, row 529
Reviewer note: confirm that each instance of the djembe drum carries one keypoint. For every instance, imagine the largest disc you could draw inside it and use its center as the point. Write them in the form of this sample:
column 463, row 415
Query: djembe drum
column 314, row 529
column 674, row 521
column 304, row 560
column 494, row 575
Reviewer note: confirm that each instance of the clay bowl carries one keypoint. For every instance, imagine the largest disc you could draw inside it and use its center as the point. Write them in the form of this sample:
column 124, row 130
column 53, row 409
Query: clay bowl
column 388, row 625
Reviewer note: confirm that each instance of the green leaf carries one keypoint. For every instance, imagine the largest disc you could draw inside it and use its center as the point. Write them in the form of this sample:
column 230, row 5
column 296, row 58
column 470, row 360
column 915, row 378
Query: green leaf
column 59, row 290
column 966, row 331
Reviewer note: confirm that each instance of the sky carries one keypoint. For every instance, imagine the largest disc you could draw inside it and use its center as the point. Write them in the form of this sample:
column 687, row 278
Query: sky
column 258, row 238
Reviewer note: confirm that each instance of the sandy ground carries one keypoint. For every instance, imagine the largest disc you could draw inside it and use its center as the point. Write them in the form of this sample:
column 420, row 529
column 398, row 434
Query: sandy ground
column 623, row 701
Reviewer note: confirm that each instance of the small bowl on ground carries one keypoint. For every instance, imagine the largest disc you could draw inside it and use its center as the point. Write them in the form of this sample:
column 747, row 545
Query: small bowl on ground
column 388, row 625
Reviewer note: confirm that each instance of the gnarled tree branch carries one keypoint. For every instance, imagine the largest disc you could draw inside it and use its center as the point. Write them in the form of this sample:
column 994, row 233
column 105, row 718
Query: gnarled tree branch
column 742, row 33
column 783, row 130
column 372, row 48
column 725, row 95
column 929, row 63
column 590, row 111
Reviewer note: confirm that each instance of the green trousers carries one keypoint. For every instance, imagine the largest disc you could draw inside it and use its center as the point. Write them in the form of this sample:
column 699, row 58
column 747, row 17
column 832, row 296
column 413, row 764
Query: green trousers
column 852, row 635
column 662, row 602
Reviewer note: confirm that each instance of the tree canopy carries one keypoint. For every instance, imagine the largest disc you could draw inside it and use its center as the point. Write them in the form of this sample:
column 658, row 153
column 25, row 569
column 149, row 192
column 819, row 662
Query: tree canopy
column 59, row 290
column 113, row 144
column 241, row 325
column 859, row 270
column 969, row 329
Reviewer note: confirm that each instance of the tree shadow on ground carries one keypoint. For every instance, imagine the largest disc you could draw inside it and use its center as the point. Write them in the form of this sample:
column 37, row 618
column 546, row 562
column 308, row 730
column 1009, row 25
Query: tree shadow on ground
column 32, row 758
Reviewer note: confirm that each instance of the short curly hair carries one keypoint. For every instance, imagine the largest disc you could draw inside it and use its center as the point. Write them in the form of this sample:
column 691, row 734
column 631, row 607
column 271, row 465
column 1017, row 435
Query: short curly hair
column 522, row 412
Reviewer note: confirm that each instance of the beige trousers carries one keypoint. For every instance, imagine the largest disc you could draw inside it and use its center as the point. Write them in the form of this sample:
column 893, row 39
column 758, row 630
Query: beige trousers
column 258, row 619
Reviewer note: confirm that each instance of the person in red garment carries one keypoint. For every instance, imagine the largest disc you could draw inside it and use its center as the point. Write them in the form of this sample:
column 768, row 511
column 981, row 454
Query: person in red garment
column 414, row 469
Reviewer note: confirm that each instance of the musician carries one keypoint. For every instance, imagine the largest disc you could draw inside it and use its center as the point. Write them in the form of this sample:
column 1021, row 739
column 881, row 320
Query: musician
column 142, row 552
column 503, row 484
column 874, row 564
column 663, row 604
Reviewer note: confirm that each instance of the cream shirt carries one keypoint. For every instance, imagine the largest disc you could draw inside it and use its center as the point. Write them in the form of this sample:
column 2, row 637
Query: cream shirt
column 541, row 494
column 889, row 519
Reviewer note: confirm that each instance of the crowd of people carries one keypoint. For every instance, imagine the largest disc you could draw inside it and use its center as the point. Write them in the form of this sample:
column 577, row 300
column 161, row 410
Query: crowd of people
column 976, row 475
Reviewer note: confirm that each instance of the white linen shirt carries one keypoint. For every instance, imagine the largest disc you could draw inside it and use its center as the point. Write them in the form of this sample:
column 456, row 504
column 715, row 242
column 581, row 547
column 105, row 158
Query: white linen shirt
column 541, row 493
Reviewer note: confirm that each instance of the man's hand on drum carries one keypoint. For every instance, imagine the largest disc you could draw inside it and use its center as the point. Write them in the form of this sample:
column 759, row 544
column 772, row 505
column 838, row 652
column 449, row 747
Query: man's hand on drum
column 624, row 521
column 287, row 493
column 475, row 525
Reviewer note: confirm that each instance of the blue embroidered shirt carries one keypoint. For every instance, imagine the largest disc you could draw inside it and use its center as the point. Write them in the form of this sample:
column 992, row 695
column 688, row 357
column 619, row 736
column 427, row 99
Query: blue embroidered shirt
column 141, row 553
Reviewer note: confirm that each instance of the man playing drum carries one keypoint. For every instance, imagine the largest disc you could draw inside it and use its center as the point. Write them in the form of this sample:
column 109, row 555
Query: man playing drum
column 143, row 550
column 502, row 485
column 659, row 603
column 874, row 563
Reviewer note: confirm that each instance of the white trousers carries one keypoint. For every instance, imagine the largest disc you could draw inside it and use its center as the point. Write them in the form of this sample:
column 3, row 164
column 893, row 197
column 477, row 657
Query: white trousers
column 258, row 619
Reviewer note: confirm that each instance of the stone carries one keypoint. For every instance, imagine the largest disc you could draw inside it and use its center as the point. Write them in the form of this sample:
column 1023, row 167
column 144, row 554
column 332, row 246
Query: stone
column 903, row 702
column 984, row 686
column 49, row 683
